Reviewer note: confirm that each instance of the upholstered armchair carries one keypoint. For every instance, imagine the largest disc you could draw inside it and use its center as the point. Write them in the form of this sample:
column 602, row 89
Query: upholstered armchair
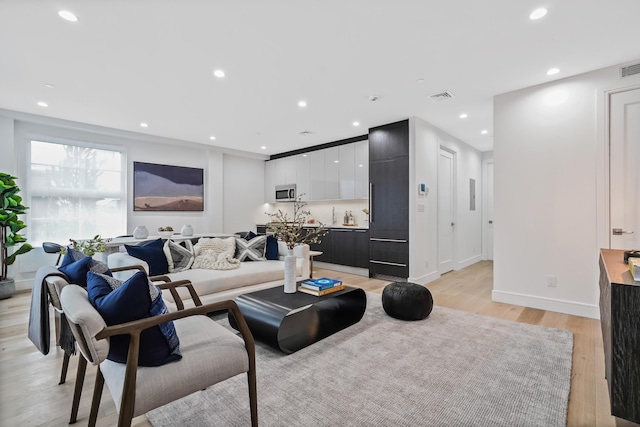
column 210, row 354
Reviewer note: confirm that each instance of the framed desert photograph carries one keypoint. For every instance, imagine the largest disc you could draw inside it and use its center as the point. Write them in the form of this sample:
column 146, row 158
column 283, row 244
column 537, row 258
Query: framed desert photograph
column 167, row 188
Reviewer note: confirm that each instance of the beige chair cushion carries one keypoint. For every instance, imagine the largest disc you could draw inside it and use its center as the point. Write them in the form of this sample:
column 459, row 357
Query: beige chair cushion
column 210, row 354
column 83, row 317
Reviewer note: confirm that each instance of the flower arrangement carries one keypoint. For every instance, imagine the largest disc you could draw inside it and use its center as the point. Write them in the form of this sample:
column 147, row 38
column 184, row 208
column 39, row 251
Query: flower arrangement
column 291, row 230
column 89, row 247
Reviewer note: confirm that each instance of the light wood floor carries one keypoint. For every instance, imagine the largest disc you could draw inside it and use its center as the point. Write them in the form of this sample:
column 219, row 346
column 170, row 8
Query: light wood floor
column 30, row 394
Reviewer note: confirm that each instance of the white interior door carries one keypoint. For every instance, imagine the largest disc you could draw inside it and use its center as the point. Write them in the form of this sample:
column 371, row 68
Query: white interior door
column 489, row 211
column 446, row 224
column 624, row 169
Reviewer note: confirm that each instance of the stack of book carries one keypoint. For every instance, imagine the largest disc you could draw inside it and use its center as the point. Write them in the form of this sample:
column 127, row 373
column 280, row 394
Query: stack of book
column 319, row 287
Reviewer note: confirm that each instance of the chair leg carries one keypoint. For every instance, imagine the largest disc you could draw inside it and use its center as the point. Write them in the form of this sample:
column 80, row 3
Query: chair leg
column 95, row 401
column 65, row 367
column 82, row 367
column 253, row 395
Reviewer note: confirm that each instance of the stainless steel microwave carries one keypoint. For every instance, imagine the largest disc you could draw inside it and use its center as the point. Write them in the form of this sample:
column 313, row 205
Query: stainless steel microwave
column 286, row 193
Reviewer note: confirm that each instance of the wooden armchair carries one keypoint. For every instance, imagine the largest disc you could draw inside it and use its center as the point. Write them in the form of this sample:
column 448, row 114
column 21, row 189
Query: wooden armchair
column 210, row 354
column 55, row 284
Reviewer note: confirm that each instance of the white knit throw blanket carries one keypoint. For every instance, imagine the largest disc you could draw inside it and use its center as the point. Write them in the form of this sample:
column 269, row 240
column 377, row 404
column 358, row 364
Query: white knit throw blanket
column 216, row 254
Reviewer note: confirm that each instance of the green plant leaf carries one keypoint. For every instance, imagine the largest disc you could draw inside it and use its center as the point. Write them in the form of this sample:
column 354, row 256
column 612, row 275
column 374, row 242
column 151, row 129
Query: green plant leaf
column 22, row 250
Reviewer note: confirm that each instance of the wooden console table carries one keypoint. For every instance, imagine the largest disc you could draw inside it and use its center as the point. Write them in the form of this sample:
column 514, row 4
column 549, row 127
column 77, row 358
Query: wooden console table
column 620, row 320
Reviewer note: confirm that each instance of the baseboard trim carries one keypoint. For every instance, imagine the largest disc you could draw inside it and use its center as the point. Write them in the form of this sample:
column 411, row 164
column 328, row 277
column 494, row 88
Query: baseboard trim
column 425, row 278
column 549, row 304
column 469, row 261
column 342, row 268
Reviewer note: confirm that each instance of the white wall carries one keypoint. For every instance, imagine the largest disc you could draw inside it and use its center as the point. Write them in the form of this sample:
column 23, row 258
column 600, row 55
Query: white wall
column 425, row 142
column 223, row 171
column 243, row 201
column 547, row 163
column 7, row 159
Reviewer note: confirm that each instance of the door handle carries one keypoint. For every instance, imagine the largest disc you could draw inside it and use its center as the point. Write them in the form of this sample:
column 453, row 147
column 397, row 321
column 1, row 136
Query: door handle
column 490, row 222
column 370, row 202
column 620, row 232
column 453, row 223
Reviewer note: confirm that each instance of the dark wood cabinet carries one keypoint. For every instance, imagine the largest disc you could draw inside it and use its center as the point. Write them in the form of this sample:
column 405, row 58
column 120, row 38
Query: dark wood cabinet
column 342, row 246
column 620, row 321
column 361, row 248
column 389, row 200
column 324, row 246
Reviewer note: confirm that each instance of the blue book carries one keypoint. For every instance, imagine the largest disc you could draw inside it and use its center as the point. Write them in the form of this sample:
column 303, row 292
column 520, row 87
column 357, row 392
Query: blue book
column 321, row 284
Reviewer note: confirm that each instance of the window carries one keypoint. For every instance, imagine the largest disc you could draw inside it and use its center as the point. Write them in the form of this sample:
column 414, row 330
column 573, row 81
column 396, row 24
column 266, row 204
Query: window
column 75, row 192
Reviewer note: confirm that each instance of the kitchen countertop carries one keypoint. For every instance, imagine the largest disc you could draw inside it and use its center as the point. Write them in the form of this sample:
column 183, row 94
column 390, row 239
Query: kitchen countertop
column 359, row 226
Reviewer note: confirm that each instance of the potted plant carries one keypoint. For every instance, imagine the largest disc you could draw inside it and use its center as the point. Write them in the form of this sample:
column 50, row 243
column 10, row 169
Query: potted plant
column 290, row 230
column 10, row 207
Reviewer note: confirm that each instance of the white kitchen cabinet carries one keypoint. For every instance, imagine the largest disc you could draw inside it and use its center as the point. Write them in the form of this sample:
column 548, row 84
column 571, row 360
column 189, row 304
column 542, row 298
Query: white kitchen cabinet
column 361, row 168
column 332, row 173
column 347, row 171
column 289, row 166
column 316, row 175
column 303, row 181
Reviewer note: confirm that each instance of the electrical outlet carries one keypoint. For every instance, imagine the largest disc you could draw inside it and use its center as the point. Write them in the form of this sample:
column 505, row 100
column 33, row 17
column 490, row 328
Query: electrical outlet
column 551, row 281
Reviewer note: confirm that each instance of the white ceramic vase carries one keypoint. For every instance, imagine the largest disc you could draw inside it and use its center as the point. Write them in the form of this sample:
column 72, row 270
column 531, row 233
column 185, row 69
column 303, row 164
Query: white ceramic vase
column 140, row 232
column 187, row 230
column 290, row 273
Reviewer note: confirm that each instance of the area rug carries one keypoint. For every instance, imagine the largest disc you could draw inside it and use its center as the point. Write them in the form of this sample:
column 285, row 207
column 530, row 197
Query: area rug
column 451, row 369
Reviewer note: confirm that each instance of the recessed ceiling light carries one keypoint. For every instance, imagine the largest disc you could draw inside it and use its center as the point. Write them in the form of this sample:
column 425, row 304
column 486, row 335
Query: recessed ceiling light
column 50, row 86
column 484, row 131
column 360, row 166
column 302, row 103
column 263, row 148
column 213, row 138
column 69, row 16
column 304, row 155
column 356, row 123
column 144, row 125
column 218, row 73
column 336, row 161
column 420, row 81
column 463, row 116
column 43, row 104
column 553, row 71
column 538, row 13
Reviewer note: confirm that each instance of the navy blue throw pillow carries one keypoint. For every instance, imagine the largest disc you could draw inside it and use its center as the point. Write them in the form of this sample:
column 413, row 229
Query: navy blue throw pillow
column 250, row 235
column 120, row 302
column 153, row 254
column 76, row 265
column 271, row 252
column 76, row 271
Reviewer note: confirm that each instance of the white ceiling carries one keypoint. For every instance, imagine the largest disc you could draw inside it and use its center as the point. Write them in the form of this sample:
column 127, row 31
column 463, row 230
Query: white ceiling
column 130, row 61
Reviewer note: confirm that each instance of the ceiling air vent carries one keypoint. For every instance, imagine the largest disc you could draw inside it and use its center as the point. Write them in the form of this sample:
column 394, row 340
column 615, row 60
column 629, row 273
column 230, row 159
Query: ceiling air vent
column 306, row 132
column 441, row 96
column 630, row 70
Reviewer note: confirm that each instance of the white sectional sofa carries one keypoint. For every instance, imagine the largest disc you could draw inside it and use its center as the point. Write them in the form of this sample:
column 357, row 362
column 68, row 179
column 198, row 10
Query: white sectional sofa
column 217, row 285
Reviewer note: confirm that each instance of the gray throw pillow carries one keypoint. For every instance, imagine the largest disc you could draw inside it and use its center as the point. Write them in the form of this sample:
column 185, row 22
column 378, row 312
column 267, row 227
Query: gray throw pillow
column 252, row 250
column 180, row 256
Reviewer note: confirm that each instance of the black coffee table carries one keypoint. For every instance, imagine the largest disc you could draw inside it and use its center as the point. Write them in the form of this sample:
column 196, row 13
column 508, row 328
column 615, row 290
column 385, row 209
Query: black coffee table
column 290, row 322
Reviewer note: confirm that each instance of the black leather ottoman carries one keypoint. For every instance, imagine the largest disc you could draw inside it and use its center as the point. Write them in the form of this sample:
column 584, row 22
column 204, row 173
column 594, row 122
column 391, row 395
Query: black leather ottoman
column 407, row 301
